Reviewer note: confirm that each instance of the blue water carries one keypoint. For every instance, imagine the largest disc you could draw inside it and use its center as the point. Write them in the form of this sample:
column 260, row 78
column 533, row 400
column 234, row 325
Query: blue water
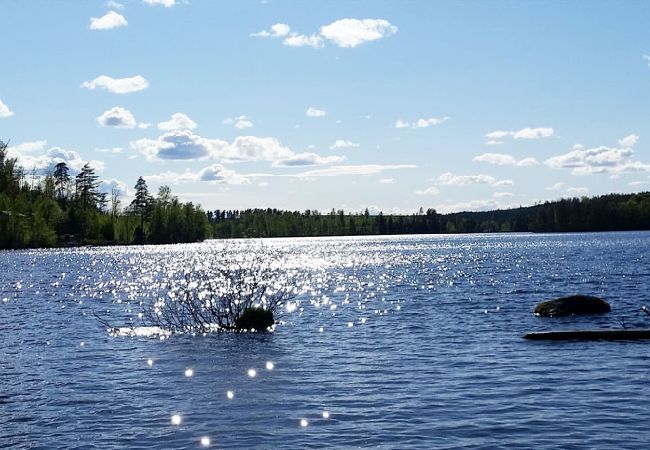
column 406, row 342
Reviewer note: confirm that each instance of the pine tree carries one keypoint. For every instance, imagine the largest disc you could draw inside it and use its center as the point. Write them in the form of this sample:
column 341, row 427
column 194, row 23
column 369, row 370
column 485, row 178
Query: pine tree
column 61, row 180
column 141, row 205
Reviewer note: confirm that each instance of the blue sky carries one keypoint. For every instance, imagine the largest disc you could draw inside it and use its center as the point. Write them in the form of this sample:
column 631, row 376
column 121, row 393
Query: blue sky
column 334, row 104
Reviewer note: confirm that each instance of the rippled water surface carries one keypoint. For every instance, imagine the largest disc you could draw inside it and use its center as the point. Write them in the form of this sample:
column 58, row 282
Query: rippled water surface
column 395, row 342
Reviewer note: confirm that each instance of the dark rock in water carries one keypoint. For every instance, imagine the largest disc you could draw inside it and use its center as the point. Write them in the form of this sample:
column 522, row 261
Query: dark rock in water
column 574, row 304
column 258, row 319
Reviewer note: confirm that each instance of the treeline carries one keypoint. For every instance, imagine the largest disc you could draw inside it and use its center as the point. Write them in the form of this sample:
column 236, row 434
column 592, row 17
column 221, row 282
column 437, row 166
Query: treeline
column 58, row 209
column 613, row 212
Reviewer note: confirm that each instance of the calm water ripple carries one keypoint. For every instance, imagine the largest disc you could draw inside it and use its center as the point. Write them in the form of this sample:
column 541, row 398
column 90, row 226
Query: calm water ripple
column 395, row 342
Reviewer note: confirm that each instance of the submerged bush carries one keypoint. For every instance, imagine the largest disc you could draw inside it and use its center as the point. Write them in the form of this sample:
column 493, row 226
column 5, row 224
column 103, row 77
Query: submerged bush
column 244, row 291
column 255, row 319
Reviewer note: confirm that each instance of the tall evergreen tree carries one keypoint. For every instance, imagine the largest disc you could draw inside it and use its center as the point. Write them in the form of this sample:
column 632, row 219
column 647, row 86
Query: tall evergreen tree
column 141, row 204
column 61, row 180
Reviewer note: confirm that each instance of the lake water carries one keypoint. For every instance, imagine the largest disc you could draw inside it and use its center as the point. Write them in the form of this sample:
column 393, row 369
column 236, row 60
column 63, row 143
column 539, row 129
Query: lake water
column 401, row 342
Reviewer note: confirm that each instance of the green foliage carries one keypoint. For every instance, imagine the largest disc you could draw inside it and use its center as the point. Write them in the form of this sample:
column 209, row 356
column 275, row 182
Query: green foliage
column 614, row 212
column 57, row 211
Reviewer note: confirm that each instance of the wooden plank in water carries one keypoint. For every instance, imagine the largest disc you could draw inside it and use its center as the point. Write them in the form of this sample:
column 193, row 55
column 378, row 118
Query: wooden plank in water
column 590, row 335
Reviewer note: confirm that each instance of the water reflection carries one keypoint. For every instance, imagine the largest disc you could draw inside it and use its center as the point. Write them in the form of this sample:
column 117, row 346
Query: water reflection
column 430, row 369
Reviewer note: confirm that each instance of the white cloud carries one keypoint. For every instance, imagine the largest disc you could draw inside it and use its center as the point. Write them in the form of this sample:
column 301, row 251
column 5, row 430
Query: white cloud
column 253, row 148
column 533, row 133
column 33, row 155
column 495, row 137
column 349, row 33
column 165, row 3
column 115, row 5
column 502, row 159
column 214, row 174
column 178, row 121
column 144, row 125
column 302, row 40
column 613, row 161
column 29, row 147
column 240, row 122
column 421, row 123
column 647, row 58
column 108, row 185
column 629, row 141
column 556, row 187
column 108, row 21
column 340, row 143
column 450, row 179
column 117, row 117
column 117, row 85
column 362, row 169
column 184, row 145
column 277, row 30
column 503, row 194
column 5, row 111
column 308, row 159
column 315, row 112
column 428, row 191
column 345, row 33
column 179, row 145
column 387, row 181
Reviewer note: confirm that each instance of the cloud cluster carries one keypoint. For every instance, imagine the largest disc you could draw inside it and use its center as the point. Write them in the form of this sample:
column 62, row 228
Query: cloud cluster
column 450, row 179
column 117, row 117
column 315, row 112
column 361, row 169
column 599, row 160
column 5, row 111
column 344, row 33
column 307, row 159
column 108, row 21
column 240, row 122
column 34, row 155
column 495, row 137
column 628, row 141
column 502, row 159
column 165, row 3
column 120, row 187
column 178, row 121
column 117, row 85
column 215, row 174
column 421, row 123
column 185, row 145
column 340, row 143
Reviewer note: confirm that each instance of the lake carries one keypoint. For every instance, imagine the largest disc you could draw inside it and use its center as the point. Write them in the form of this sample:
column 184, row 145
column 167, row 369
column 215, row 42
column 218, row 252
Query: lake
column 397, row 342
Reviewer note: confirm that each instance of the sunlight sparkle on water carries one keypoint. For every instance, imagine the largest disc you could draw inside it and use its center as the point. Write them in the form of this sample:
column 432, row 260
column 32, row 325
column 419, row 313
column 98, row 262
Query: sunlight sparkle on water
column 269, row 365
column 326, row 415
column 205, row 441
column 252, row 373
column 150, row 362
column 230, row 395
column 189, row 373
column 176, row 419
column 303, row 422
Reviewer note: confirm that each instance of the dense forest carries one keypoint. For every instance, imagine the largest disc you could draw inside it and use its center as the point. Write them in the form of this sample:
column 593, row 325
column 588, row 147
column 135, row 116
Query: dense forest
column 606, row 213
column 58, row 209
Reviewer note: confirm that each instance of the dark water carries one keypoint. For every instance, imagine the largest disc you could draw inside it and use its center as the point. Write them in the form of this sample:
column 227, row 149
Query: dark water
column 407, row 342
